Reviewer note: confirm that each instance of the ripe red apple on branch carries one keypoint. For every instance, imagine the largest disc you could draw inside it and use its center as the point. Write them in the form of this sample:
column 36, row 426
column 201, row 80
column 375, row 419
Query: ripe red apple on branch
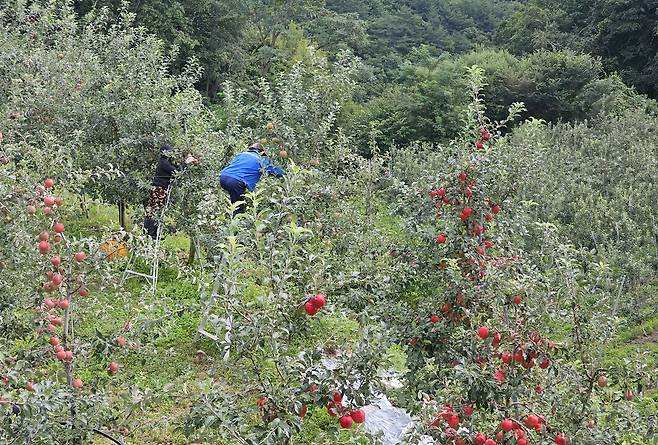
column 314, row 304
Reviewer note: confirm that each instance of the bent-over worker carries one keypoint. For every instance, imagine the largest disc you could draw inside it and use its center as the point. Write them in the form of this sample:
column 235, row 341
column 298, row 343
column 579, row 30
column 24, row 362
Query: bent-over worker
column 244, row 172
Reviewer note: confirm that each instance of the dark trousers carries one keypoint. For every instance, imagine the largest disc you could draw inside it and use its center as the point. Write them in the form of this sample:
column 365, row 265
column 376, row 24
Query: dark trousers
column 236, row 190
column 157, row 201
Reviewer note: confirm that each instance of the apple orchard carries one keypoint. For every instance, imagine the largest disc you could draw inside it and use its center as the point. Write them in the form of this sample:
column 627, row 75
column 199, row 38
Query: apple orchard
column 426, row 261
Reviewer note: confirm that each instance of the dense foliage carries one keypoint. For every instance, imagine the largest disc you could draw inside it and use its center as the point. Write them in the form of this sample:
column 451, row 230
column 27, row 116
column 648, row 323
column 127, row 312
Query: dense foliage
column 466, row 208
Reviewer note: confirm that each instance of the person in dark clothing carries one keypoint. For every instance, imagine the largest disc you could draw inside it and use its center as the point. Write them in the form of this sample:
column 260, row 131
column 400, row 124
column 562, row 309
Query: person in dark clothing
column 164, row 171
column 244, row 172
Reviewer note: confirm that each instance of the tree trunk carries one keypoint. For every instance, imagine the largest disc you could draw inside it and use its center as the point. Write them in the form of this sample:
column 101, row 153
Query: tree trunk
column 84, row 205
column 122, row 215
column 192, row 253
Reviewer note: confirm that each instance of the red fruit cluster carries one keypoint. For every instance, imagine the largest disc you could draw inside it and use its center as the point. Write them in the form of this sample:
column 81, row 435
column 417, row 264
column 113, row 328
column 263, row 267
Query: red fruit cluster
column 484, row 137
column 346, row 416
column 451, row 417
column 523, row 352
column 314, row 304
column 50, row 203
column 475, row 212
column 59, row 278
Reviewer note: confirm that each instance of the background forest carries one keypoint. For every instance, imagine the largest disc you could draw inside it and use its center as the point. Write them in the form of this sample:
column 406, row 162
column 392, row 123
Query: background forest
column 467, row 230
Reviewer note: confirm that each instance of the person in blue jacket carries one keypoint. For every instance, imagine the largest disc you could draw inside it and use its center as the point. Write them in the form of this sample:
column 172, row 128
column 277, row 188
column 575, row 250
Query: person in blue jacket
column 244, row 172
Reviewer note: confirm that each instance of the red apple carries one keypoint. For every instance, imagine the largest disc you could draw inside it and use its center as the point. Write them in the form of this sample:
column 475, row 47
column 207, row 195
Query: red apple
column 453, row 421
column 30, row 210
column 77, row 383
column 435, row 319
column 80, row 256
column 507, row 425
column 283, row 153
column 83, row 291
column 54, row 341
column 49, row 201
column 113, row 368
column 489, row 217
column 56, row 260
column 44, row 247
column 490, row 442
column 69, row 355
column 560, row 440
column 441, row 238
column 310, row 308
column 545, row 363
column 480, row 439
column 602, row 381
column 61, row 355
column 521, row 441
column 468, row 410
column 64, row 304
column 57, row 279
column 49, row 183
column 59, row 200
column 359, row 416
column 121, row 341
column 50, row 304
column 58, row 228
column 483, row 332
column 319, row 301
column 47, row 210
column 517, row 299
column 495, row 209
column 479, row 145
column 346, row 422
column 302, row 411
column 518, row 356
column 462, row 176
column 337, row 397
column 531, row 421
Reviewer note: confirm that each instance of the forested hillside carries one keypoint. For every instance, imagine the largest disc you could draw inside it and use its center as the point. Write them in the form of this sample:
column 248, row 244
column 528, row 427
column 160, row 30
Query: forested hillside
column 375, row 222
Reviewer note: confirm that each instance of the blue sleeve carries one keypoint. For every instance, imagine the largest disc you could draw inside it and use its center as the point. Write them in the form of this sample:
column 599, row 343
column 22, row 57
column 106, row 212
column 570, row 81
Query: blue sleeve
column 273, row 169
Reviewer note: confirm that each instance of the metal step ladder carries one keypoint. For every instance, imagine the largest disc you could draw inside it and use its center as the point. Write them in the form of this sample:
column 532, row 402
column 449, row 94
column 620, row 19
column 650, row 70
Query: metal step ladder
column 153, row 252
column 218, row 311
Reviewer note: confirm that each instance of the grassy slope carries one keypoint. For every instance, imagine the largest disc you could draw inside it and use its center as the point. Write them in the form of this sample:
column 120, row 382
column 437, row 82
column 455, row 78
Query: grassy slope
column 162, row 362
